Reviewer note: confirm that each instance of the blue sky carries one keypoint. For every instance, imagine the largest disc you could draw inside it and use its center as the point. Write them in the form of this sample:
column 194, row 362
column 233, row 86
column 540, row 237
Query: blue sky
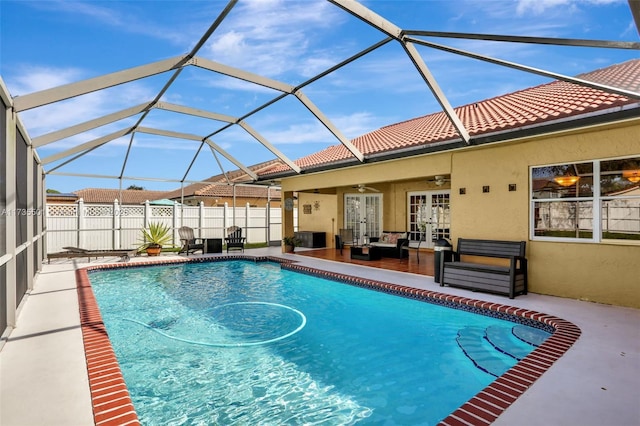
column 50, row 43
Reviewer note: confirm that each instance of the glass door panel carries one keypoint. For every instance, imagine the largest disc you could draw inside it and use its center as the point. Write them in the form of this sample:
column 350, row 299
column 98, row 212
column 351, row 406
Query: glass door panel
column 429, row 217
column 363, row 214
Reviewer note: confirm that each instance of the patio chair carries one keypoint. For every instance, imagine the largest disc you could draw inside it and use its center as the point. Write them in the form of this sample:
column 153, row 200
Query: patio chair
column 234, row 239
column 189, row 242
column 344, row 236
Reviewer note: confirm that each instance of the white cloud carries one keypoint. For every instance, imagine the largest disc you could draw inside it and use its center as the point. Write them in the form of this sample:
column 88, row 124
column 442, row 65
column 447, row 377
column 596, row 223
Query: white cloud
column 49, row 118
column 271, row 37
column 128, row 19
column 33, row 79
column 538, row 7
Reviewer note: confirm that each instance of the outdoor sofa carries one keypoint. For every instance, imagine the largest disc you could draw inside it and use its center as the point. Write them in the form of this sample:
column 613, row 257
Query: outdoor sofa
column 390, row 244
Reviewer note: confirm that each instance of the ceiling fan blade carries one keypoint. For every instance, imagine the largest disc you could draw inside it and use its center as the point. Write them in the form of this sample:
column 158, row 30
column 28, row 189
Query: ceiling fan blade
column 363, row 188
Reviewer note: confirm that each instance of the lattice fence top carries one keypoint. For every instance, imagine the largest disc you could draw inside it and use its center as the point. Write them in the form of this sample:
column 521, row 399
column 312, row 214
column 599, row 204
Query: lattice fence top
column 62, row 210
column 132, row 211
column 98, row 211
column 162, row 211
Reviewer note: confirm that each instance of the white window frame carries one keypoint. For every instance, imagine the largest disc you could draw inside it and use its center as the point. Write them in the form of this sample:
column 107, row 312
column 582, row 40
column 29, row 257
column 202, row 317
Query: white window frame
column 597, row 204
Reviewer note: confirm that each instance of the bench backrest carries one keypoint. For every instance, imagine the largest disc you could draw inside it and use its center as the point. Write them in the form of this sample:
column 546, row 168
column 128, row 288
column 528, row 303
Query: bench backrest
column 491, row 248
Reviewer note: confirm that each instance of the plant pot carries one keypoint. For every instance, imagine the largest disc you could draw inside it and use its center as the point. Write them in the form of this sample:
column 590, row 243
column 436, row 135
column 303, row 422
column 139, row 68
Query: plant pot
column 153, row 251
column 289, row 249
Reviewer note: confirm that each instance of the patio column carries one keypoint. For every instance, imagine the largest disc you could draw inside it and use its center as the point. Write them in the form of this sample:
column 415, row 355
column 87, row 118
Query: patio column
column 8, row 218
column 287, row 215
column 115, row 240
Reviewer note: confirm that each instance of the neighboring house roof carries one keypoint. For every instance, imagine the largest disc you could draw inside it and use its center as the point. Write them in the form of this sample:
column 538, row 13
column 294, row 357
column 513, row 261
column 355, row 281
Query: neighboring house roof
column 526, row 108
column 61, row 197
column 218, row 186
column 129, row 196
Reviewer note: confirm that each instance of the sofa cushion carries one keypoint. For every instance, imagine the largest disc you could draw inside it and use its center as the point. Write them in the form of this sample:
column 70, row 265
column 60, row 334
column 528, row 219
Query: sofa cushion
column 392, row 237
column 381, row 244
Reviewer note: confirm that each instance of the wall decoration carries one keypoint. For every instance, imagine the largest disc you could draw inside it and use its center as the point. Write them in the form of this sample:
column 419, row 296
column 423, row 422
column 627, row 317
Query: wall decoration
column 485, row 188
column 463, row 191
column 306, row 208
column 316, row 205
column 512, row 187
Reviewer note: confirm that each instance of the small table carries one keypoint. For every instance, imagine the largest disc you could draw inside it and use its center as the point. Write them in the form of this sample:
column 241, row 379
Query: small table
column 212, row 245
column 365, row 253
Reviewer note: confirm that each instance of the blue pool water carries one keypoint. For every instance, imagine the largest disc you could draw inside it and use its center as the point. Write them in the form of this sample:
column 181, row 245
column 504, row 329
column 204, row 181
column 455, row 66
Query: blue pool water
column 245, row 343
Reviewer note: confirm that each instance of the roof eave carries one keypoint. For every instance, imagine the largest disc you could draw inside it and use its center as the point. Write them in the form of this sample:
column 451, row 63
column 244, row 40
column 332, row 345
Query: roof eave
column 610, row 115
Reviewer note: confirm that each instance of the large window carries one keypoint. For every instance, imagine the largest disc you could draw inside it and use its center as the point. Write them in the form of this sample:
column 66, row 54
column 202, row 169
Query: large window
column 591, row 201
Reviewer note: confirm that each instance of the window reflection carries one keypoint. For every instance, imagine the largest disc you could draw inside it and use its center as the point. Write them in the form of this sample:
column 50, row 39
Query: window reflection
column 618, row 176
column 564, row 219
column 563, row 181
column 620, row 188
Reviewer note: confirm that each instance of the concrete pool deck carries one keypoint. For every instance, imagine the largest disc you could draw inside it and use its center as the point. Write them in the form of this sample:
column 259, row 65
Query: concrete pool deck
column 43, row 375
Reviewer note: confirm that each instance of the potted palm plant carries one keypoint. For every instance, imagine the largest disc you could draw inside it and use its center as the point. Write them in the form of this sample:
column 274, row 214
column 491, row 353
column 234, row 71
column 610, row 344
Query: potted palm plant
column 290, row 243
column 153, row 238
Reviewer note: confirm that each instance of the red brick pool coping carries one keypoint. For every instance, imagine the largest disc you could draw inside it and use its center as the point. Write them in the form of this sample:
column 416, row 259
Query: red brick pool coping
column 112, row 403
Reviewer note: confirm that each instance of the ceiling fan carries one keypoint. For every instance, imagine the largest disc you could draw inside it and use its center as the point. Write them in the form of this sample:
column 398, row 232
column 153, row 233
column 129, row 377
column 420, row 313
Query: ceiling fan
column 363, row 188
column 439, row 180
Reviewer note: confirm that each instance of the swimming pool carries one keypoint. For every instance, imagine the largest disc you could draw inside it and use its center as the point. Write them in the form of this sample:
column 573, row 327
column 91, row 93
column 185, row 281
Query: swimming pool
column 287, row 348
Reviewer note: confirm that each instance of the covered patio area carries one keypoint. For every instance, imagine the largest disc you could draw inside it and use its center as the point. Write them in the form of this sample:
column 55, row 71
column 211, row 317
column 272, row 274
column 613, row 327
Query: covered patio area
column 421, row 264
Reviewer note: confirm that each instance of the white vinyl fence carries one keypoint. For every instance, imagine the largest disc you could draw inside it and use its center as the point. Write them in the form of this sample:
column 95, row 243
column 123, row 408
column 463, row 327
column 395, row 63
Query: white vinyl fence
column 115, row 226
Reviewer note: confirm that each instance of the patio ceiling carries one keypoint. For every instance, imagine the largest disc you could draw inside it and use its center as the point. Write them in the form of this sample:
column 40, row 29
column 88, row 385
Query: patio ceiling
column 134, row 121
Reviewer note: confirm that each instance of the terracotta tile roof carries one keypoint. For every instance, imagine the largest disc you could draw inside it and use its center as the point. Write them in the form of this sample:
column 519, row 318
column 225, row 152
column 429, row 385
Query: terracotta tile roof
column 129, row 196
column 69, row 197
column 226, row 191
column 540, row 104
column 218, row 187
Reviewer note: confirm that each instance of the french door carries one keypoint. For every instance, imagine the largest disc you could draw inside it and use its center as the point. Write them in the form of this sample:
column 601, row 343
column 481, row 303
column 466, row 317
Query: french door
column 429, row 217
column 363, row 214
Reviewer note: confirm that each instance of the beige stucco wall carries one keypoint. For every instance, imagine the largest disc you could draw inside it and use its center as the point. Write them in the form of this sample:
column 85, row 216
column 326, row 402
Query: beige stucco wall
column 322, row 217
column 604, row 272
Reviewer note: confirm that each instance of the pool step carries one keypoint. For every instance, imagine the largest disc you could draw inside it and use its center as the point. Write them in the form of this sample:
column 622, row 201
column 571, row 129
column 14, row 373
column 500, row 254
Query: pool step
column 484, row 356
column 495, row 349
column 532, row 336
column 503, row 339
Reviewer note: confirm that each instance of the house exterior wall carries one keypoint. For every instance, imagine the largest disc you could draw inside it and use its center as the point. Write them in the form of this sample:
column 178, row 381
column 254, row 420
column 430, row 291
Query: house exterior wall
column 600, row 272
column 607, row 272
column 322, row 216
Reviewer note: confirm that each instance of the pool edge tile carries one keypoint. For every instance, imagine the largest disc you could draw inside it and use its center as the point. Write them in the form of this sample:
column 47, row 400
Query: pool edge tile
column 115, row 407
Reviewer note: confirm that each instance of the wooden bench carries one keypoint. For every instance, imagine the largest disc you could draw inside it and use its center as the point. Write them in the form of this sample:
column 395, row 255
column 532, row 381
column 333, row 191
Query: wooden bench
column 508, row 280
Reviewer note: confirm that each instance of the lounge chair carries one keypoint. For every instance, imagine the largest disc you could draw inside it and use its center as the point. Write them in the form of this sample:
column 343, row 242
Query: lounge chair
column 73, row 252
column 189, row 242
column 234, row 239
